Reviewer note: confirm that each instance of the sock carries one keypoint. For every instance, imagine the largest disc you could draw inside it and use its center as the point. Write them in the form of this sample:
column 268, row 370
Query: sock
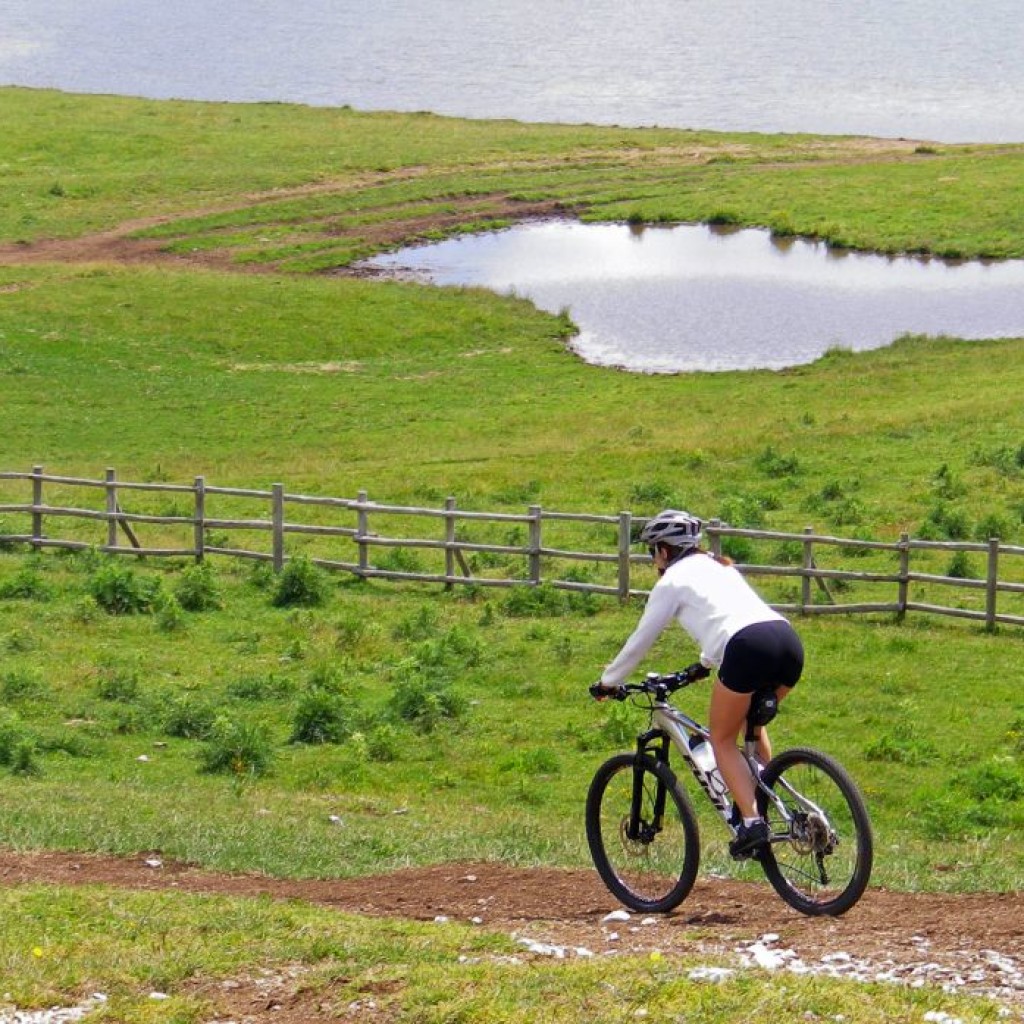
column 747, row 822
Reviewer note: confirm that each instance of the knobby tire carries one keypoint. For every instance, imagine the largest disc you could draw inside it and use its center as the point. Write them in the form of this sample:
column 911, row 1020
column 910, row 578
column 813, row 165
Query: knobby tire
column 653, row 872
column 810, row 870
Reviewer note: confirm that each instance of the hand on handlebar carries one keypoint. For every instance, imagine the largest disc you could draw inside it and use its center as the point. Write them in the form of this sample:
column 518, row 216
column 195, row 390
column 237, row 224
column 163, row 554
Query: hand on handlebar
column 694, row 672
column 601, row 692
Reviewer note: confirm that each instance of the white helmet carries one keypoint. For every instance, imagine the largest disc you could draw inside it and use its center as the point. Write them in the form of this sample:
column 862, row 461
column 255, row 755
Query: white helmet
column 673, row 527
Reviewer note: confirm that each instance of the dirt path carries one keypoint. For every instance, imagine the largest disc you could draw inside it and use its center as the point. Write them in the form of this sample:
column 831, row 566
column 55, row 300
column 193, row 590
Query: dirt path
column 971, row 943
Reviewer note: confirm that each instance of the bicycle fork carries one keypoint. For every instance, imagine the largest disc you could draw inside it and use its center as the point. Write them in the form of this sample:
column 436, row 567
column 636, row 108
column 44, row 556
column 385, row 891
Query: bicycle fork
column 637, row 830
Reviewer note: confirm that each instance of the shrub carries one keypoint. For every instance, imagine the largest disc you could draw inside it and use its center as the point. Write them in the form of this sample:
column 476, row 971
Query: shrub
column 1015, row 734
column 849, row 512
column 542, row 600
column 997, row 779
column 744, row 511
column 321, row 716
column 960, row 567
column 197, row 590
column 540, row 761
column 1006, row 459
column 256, row 688
column 20, row 684
column 456, row 648
column 425, row 700
column 18, row 642
column 301, row 584
column 188, row 717
column 945, row 522
column 653, row 494
column 419, row 626
column 992, row 525
column 24, row 760
column 350, row 631
column 383, row 743
column 739, row 549
column 901, row 746
column 26, row 584
column 946, row 484
column 169, row 614
column 118, row 590
column 775, row 464
column 239, row 747
column 118, row 684
column 13, row 736
column 619, row 726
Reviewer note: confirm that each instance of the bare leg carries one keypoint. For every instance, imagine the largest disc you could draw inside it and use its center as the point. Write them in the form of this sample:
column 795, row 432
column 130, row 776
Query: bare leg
column 728, row 716
column 728, row 720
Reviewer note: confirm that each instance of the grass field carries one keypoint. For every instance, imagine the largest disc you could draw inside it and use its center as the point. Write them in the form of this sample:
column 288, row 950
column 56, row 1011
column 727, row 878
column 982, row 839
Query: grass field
column 332, row 384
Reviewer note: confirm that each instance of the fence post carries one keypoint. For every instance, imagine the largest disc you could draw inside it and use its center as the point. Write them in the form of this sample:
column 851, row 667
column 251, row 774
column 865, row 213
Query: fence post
column 904, row 586
column 199, row 520
column 37, row 503
column 535, row 537
column 992, row 584
column 716, row 538
column 805, row 583
column 625, row 538
column 277, row 519
column 362, row 529
column 449, row 541
column 111, row 489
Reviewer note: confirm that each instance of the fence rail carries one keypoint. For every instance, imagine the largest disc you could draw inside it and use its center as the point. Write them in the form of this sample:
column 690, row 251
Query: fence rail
column 356, row 524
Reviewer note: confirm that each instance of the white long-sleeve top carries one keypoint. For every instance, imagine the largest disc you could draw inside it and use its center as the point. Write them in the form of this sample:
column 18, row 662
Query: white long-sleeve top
column 711, row 601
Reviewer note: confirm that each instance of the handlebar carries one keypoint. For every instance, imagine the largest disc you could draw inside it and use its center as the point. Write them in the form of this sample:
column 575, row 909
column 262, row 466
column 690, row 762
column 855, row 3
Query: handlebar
column 658, row 686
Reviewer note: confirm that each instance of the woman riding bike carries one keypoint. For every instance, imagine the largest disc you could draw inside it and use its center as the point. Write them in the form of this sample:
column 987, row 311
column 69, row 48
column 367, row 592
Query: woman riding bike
column 752, row 647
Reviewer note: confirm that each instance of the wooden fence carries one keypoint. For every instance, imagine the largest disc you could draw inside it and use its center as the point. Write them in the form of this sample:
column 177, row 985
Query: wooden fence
column 354, row 531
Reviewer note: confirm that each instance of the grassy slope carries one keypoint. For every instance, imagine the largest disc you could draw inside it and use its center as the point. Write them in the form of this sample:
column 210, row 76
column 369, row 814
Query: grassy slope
column 332, row 385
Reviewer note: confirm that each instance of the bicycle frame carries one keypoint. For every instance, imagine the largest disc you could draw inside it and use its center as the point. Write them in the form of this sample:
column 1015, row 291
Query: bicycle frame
column 673, row 727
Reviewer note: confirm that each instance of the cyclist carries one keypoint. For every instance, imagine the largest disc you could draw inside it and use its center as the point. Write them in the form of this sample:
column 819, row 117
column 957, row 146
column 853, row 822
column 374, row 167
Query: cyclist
column 751, row 645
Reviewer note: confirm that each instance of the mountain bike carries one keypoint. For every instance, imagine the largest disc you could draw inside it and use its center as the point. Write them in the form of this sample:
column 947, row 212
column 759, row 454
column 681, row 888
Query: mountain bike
column 643, row 833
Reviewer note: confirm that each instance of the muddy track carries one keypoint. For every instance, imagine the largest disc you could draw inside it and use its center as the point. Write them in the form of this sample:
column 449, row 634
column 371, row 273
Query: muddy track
column 971, row 943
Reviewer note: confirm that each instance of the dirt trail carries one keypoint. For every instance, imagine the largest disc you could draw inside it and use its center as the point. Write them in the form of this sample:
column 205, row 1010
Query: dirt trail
column 971, row 943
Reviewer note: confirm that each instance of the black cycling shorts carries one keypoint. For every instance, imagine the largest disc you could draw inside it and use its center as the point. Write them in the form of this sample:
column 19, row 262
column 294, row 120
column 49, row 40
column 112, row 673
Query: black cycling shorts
column 763, row 656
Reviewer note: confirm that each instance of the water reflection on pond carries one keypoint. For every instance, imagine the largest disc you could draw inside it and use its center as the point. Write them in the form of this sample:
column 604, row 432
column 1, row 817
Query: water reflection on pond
column 694, row 297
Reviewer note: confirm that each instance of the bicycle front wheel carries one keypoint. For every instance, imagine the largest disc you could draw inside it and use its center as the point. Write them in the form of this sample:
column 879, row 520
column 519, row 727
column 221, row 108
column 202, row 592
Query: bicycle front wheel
column 821, row 849
column 642, row 833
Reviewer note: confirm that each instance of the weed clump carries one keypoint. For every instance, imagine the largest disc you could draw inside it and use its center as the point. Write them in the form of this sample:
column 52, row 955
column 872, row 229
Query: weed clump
column 301, row 584
column 18, row 746
column 189, row 718
column 425, row 699
column 321, row 716
column 119, row 590
column 237, row 747
column 197, row 590
column 27, row 584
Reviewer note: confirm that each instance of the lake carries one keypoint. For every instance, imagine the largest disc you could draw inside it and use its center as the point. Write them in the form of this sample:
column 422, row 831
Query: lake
column 939, row 70
column 695, row 297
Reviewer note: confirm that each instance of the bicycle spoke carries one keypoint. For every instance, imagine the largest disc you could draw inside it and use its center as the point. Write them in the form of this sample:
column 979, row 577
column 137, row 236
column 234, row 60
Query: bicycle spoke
column 648, row 859
column 821, row 849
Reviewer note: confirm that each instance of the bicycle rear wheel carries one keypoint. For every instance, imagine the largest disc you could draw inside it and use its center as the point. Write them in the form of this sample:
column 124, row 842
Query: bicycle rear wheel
column 820, row 859
column 649, row 863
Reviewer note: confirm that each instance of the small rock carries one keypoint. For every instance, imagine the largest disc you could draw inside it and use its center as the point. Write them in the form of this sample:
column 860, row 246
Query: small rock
column 615, row 915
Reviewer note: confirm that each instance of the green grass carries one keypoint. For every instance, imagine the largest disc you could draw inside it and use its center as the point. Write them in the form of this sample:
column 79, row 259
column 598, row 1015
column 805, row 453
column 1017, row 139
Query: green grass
column 330, row 385
column 59, row 945
column 117, row 711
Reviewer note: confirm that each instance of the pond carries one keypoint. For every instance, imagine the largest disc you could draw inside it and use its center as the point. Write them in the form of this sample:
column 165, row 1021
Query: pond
column 699, row 297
